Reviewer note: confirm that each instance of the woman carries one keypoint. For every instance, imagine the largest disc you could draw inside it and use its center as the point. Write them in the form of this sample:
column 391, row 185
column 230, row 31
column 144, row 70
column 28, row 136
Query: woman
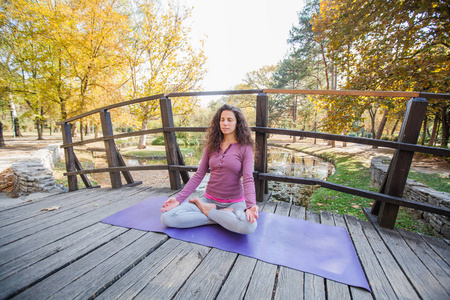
column 227, row 201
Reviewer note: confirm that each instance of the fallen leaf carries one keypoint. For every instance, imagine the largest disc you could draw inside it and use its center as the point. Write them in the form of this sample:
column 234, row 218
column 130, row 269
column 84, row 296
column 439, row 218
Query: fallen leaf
column 51, row 208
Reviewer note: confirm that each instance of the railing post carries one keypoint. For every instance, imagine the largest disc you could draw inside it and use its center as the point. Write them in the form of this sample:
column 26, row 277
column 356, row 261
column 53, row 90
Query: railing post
column 395, row 179
column 110, row 147
column 170, row 141
column 262, row 107
column 69, row 156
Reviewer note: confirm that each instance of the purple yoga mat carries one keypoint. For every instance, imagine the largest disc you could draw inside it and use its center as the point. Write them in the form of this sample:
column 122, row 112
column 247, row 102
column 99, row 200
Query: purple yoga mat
column 323, row 250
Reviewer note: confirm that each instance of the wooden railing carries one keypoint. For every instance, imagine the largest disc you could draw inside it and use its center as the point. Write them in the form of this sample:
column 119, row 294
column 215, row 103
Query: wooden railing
column 387, row 200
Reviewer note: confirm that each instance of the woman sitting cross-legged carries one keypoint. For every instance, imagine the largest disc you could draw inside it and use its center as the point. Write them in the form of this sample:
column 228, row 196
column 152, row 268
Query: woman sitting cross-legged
column 228, row 201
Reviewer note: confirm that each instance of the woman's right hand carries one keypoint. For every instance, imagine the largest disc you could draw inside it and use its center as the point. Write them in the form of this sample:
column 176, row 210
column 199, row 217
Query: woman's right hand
column 170, row 203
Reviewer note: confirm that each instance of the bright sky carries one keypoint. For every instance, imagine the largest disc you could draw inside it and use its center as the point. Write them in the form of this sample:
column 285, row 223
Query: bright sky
column 241, row 36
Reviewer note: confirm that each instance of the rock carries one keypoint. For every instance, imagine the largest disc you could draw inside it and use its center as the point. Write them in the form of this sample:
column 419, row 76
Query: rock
column 418, row 192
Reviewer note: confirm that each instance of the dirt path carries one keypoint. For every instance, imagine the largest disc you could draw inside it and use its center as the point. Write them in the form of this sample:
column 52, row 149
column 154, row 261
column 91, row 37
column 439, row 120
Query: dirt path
column 22, row 148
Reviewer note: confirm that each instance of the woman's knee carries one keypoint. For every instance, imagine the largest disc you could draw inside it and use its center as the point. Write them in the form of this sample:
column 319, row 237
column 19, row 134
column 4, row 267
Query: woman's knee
column 168, row 219
column 247, row 228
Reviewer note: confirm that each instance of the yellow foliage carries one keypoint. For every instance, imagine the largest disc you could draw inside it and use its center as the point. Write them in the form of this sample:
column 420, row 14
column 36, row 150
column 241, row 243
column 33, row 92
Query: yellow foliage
column 73, row 56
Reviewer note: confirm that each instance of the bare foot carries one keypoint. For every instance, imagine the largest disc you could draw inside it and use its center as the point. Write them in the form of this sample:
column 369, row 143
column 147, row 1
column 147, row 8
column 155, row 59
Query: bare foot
column 229, row 209
column 204, row 207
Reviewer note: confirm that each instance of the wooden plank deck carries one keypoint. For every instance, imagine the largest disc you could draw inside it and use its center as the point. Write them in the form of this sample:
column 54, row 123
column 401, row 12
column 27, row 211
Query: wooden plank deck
column 69, row 254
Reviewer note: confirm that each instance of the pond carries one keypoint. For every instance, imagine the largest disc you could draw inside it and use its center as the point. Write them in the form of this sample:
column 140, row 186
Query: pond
column 292, row 163
column 280, row 162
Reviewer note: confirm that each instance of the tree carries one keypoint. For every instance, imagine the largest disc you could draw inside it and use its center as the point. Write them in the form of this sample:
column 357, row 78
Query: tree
column 258, row 79
column 63, row 58
column 161, row 59
column 389, row 45
column 310, row 57
column 290, row 74
column 309, row 48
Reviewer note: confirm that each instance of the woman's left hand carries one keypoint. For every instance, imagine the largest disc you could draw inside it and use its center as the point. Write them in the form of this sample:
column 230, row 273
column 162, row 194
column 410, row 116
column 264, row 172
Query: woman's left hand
column 252, row 213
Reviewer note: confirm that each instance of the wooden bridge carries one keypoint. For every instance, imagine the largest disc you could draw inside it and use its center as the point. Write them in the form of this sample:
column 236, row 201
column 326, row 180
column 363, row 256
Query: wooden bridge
column 57, row 247
column 387, row 201
column 68, row 253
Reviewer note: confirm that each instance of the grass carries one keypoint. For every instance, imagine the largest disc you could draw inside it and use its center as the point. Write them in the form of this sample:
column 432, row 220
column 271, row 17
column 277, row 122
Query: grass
column 143, row 153
column 435, row 181
column 352, row 171
column 60, row 168
column 349, row 172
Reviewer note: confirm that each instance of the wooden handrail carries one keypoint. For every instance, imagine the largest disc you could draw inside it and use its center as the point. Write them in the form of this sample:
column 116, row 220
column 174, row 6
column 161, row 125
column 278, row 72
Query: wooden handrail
column 358, row 140
column 326, row 136
column 344, row 93
column 388, row 199
column 108, row 107
column 358, row 192
column 113, row 137
column 267, row 91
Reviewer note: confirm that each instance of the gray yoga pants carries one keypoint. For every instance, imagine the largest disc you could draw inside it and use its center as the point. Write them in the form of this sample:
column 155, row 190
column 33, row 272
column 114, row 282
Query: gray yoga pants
column 187, row 215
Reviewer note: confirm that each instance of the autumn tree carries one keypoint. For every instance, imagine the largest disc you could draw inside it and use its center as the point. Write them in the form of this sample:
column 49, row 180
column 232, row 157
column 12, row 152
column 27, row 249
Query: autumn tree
column 67, row 57
column 161, row 59
column 22, row 59
column 389, row 45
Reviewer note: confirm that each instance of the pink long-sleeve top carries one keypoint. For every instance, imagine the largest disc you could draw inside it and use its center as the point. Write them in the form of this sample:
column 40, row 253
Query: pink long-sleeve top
column 226, row 168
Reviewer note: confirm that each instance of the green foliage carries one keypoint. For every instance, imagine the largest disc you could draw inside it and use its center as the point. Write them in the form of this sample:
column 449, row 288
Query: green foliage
column 158, row 141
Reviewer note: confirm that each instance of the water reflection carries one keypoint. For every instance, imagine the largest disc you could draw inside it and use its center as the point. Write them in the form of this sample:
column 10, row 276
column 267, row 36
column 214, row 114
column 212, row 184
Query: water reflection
column 291, row 163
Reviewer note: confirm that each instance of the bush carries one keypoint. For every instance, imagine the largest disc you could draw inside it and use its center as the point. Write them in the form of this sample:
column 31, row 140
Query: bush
column 159, row 141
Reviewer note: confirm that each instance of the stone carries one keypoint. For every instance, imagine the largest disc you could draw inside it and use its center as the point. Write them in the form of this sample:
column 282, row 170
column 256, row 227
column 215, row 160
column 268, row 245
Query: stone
column 35, row 175
column 419, row 192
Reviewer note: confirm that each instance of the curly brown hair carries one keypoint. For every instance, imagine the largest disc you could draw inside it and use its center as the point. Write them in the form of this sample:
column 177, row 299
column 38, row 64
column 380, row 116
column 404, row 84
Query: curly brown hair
column 214, row 135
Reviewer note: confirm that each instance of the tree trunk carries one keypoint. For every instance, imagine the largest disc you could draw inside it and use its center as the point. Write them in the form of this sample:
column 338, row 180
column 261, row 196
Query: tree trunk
column 445, row 116
column 87, row 128
column 74, row 130
column 434, row 130
column 373, row 115
column 2, row 140
column 294, row 116
column 142, row 138
column 315, row 130
column 17, row 127
column 62, row 106
column 96, row 131
column 424, row 130
column 381, row 126
column 39, row 129
column 395, row 126
column 81, row 131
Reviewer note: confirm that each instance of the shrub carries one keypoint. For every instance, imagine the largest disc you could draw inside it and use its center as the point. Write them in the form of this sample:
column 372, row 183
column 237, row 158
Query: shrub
column 159, row 141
